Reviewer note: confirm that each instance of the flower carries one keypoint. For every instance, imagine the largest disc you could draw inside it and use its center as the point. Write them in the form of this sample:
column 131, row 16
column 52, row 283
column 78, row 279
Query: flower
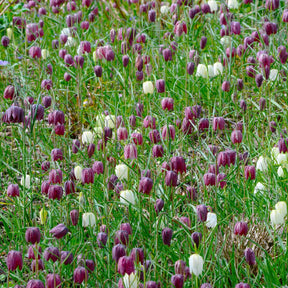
column 43, row 215
column 14, row 260
column 121, row 171
column 87, row 137
column 280, row 172
column 282, row 208
column 44, row 53
column 131, row 281
column 211, row 71
column 59, row 231
column 148, row 87
column 110, row 121
column 226, row 41
column 25, row 182
column 164, row 9
column 213, row 5
column 78, row 172
column 273, row 74
column 88, row 219
column 274, row 153
column 259, row 188
column 282, row 158
column 9, row 32
column 276, row 217
column 127, row 197
column 233, row 4
column 211, row 221
column 217, row 68
column 202, row 71
column 262, row 164
column 196, row 264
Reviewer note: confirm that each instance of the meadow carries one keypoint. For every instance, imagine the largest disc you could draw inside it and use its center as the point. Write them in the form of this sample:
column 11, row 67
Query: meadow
column 143, row 144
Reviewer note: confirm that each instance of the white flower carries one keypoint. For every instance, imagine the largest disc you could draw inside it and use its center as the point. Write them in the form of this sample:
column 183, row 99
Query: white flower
column 211, row 221
column 66, row 31
column 273, row 74
column 44, row 53
column 100, row 119
column 233, row 4
column 110, row 121
column 81, row 201
column 280, row 172
column 218, row 68
column 148, row 87
column 262, row 164
column 9, row 32
column 87, row 137
column 196, row 264
column 213, row 5
column 26, row 182
column 226, row 41
column 259, row 188
column 78, row 172
column 130, row 281
column 276, row 217
column 121, row 171
column 71, row 42
column 202, row 71
column 282, row 208
column 127, row 197
column 282, row 158
column 88, row 219
column 95, row 56
column 210, row 71
column 164, row 9
column 274, row 153
column 43, row 215
column 98, row 131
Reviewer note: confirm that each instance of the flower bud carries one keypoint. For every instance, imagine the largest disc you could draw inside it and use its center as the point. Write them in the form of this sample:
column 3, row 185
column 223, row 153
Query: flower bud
column 43, row 216
column 171, row 179
column 66, row 257
column 145, row 185
column 88, row 220
column 9, row 92
column 87, row 176
column 126, row 265
column 241, row 228
column 35, row 283
column 250, row 256
column 236, row 137
column 14, row 260
column 53, row 281
column 56, row 154
column 178, row 164
column 33, row 235
column 102, row 239
column 196, row 238
column 148, row 87
column 51, row 253
column 167, row 236
column 74, row 216
column 157, row 151
column 196, row 264
column 160, row 85
column 79, row 275
column 13, row 190
column 177, row 281
column 118, row 251
column 55, row 192
column 209, row 179
column 250, row 172
column 59, row 231
column 130, row 151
